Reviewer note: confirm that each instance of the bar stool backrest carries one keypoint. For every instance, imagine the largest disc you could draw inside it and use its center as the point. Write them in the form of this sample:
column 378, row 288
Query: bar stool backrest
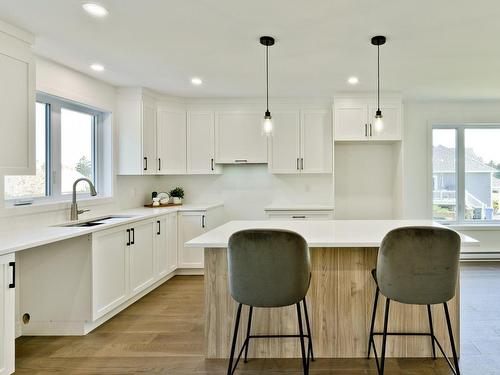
column 268, row 268
column 419, row 265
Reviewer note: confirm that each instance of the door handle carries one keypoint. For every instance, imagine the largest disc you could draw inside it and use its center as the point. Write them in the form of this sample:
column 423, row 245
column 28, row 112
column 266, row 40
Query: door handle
column 13, row 283
column 128, row 233
column 366, row 130
column 159, row 227
column 133, row 236
column 145, row 163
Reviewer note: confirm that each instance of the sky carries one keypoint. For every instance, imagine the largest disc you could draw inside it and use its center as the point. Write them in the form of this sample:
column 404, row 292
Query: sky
column 484, row 142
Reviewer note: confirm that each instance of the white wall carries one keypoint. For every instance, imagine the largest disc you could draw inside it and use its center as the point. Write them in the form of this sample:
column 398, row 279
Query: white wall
column 247, row 189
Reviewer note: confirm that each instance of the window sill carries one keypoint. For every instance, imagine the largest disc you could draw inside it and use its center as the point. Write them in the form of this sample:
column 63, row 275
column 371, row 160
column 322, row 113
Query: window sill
column 485, row 226
column 51, row 206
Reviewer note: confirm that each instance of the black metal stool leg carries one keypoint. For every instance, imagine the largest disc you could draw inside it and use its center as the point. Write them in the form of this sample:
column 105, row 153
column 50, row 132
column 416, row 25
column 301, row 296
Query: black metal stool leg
column 452, row 341
column 235, row 336
column 310, row 344
column 372, row 325
column 249, row 327
column 302, row 347
column 429, row 314
column 384, row 337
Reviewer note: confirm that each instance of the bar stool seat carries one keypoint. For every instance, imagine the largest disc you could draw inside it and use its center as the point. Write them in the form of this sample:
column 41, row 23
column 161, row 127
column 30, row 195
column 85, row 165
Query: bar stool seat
column 269, row 268
column 416, row 265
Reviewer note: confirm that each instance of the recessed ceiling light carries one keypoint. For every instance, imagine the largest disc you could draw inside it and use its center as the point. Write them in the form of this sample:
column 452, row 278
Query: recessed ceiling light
column 353, row 80
column 196, row 81
column 97, row 67
column 95, row 10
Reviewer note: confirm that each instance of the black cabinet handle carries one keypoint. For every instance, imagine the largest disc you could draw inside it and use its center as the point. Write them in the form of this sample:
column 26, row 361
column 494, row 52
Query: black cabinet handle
column 13, row 283
column 371, row 130
column 212, row 164
column 302, row 163
column 203, row 221
column 128, row 233
column 159, row 164
column 133, row 236
column 366, row 130
column 299, row 217
column 298, row 166
column 159, row 227
column 145, row 163
column 240, row 160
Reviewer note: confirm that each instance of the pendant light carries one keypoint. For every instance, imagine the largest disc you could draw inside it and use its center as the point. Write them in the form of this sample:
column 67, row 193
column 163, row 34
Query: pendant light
column 379, row 121
column 267, row 123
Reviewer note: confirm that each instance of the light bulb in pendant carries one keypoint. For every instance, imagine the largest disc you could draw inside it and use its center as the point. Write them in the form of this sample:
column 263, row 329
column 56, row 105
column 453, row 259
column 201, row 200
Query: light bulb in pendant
column 379, row 121
column 267, row 124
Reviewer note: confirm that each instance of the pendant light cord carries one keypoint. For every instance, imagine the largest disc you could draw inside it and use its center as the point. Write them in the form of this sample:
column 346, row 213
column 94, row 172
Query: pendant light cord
column 378, row 78
column 267, row 78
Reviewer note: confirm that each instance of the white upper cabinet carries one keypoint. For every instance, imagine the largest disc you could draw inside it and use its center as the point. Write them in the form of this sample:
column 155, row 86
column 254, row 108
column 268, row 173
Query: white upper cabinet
column 239, row 139
column 17, row 102
column 355, row 119
column 284, row 145
column 201, row 143
column 148, row 136
column 136, row 115
column 171, row 141
column 316, row 142
column 301, row 142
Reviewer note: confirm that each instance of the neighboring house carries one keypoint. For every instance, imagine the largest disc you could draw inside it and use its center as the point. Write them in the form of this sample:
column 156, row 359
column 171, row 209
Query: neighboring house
column 478, row 179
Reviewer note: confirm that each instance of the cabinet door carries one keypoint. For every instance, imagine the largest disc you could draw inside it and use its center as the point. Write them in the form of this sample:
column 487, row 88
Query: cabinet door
column 171, row 142
column 284, row 145
column 239, row 139
column 7, row 314
column 351, row 122
column 109, row 270
column 391, row 130
column 161, row 247
column 17, row 106
column 172, row 245
column 201, row 143
column 149, row 137
column 191, row 225
column 142, row 270
column 316, row 142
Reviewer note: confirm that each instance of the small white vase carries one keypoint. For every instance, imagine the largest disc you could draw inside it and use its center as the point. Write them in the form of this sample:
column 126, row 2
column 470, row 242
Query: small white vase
column 176, row 200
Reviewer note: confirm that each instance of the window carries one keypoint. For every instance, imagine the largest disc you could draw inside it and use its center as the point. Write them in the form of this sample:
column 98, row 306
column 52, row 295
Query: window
column 466, row 173
column 66, row 149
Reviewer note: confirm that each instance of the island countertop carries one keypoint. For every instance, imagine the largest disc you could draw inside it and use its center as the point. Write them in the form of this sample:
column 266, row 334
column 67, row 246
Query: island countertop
column 324, row 233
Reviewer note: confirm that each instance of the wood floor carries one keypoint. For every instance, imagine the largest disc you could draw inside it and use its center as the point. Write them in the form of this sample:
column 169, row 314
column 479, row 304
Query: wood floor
column 163, row 334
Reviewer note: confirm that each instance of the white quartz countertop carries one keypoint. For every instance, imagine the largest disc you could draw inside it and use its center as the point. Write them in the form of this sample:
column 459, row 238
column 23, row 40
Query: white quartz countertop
column 17, row 239
column 327, row 233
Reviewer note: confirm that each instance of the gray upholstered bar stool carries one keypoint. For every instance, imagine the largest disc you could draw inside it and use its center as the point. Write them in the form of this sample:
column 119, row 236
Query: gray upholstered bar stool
column 418, row 266
column 269, row 268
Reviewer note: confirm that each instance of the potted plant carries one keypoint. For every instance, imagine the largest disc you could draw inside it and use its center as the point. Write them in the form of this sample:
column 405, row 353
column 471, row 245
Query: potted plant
column 177, row 195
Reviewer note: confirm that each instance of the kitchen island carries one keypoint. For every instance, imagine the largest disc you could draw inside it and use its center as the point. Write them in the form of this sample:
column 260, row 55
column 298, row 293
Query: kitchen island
column 340, row 298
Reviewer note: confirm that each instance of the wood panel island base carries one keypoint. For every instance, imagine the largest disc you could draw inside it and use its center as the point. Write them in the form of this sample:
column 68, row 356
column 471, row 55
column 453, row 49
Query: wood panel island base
column 340, row 297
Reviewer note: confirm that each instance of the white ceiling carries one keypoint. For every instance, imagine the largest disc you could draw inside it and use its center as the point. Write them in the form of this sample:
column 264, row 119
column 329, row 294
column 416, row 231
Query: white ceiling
column 435, row 48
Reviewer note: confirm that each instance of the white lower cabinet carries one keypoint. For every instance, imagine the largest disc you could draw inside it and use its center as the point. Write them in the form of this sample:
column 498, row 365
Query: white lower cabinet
column 142, row 272
column 191, row 225
column 165, row 245
column 109, row 270
column 7, row 314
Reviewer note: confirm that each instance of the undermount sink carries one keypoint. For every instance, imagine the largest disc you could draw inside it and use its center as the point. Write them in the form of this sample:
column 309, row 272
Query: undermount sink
column 98, row 221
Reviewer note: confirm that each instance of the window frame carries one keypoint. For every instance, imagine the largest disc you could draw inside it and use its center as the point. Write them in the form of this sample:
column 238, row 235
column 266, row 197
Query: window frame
column 460, row 172
column 54, row 105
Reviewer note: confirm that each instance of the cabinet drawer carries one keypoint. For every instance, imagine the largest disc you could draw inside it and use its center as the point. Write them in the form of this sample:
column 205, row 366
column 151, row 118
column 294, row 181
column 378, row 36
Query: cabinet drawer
column 300, row 215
